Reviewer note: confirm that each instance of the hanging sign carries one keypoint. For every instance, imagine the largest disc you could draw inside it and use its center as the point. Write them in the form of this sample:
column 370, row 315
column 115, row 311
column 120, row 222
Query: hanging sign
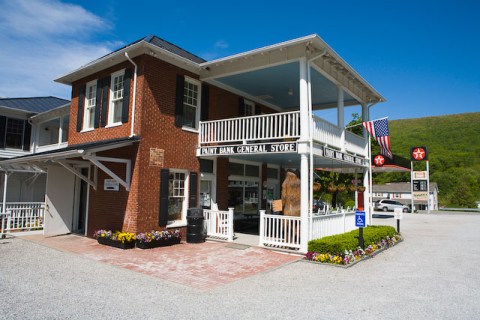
column 379, row 160
column 259, row 148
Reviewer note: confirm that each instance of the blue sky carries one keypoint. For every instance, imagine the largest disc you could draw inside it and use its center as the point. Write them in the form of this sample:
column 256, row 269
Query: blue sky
column 422, row 56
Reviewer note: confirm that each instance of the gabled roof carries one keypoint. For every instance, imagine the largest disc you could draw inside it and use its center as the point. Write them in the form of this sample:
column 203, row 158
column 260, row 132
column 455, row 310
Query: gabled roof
column 34, row 104
column 172, row 48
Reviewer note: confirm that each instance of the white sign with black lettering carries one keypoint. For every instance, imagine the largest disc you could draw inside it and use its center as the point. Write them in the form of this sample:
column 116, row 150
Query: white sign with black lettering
column 398, row 213
column 111, row 185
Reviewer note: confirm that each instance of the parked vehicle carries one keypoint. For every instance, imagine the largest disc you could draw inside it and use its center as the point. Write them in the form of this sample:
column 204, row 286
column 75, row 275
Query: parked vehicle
column 390, row 205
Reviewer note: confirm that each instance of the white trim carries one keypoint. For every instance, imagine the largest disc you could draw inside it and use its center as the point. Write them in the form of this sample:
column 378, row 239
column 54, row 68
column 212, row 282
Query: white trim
column 186, row 193
column 86, row 107
column 198, row 106
column 111, row 110
column 189, row 129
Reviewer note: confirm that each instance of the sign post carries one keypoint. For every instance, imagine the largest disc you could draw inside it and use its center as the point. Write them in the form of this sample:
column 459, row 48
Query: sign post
column 419, row 180
column 360, row 223
column 398, row 215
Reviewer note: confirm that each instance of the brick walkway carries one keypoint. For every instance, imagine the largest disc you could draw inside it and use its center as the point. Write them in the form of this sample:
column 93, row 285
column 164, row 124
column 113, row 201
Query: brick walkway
column 202, row 266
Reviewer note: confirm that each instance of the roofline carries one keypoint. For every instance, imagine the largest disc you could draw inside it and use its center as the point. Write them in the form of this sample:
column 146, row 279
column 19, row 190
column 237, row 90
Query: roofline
column 51, row 110
column 77, row 74
column 18, row 110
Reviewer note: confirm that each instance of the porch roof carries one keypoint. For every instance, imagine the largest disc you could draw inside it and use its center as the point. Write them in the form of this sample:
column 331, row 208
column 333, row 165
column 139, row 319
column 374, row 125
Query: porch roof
column 270, row 75
column 33, row 162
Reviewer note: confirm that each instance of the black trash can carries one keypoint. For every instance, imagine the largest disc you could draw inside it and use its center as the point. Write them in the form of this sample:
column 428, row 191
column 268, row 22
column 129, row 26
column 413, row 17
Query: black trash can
column 195, row 228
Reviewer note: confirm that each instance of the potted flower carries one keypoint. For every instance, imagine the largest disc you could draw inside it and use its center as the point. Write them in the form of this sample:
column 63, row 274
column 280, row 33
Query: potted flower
column 316, row 186
column 361, row 188
column 341, row 187
column 117, row 239
column 332, row 188
column 156, row 239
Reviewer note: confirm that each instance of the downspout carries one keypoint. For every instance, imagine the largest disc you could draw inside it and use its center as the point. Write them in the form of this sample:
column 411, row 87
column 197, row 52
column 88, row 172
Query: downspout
column 310, row 115
column 132, row 133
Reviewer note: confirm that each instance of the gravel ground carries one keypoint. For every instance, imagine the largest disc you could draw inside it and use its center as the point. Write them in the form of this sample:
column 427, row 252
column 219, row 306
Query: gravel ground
column 433, row 274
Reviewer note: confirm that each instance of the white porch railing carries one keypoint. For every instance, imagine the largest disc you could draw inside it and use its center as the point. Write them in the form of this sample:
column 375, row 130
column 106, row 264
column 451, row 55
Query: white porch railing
column 23, row 216
column 219, row 224
column 327, row 133
column 262, row 127
column 354, row 143
column 330, row 224
column 279, row 231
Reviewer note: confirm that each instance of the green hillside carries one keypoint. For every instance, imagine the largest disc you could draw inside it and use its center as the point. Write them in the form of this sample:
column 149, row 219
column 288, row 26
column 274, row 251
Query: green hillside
column 453, row 143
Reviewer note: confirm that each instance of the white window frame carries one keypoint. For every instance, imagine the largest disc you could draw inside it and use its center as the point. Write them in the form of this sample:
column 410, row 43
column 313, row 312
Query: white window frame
column 89, row 104
column 112, row 99
column 197, row 106
column 186, row 191
column 249, row 108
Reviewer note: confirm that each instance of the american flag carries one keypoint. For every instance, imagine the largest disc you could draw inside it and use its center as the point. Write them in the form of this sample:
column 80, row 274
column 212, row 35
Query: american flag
column 378, row 129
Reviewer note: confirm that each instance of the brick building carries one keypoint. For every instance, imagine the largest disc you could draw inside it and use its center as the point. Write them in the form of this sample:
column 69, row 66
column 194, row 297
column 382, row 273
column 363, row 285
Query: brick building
column 155, row 130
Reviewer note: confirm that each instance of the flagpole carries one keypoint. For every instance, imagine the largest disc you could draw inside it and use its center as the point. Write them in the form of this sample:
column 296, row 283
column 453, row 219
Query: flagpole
column 359, row 124
column 370, row 200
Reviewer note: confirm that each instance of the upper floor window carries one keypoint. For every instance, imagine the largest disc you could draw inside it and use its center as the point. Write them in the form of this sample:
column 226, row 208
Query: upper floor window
column 191, row 103
column 90, row 101
column 14, row 133
column 249, row 108
column 116, row 98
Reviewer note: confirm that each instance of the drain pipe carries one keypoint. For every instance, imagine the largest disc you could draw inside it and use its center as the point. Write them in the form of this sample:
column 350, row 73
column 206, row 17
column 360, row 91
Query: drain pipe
column 132, row 133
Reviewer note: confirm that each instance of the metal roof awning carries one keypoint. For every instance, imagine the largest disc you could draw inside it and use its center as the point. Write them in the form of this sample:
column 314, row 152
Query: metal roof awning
column 68, row 158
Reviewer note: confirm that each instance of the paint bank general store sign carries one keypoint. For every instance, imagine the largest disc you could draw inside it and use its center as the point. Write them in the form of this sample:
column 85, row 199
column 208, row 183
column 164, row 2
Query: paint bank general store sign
column 280, row 147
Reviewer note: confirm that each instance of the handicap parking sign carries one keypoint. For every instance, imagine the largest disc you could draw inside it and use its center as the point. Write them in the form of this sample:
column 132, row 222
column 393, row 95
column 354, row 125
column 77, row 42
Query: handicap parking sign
column 360, row 219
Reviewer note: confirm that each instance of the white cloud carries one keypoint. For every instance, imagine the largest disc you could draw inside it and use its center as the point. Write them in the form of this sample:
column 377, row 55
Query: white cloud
column 218, row 50
column 42, row 40
column 221, row 44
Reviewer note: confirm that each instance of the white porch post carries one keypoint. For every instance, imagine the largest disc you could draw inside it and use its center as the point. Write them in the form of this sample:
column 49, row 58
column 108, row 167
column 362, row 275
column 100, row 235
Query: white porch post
column 304, row 151
column 367, row 172
column 5, row 184
column 341, row 116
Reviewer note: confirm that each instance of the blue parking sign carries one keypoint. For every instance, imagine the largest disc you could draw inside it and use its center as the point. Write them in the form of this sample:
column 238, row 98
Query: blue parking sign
column 360, row 219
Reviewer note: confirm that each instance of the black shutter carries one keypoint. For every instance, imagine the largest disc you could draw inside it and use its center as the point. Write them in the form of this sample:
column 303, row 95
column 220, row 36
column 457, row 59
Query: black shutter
column 26, row 136
column 3, row 127
column 126, row 94
column 98, row 100
column 163, row 216
column 81, row 101
column 192, row 194
column 105, row 92
column 179, row 101
column 257, row 110
column 241, row 107
column 205, row 100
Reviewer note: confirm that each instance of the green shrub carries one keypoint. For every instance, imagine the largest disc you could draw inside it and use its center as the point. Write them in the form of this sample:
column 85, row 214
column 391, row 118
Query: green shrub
column 338, row 243
column 350, row 203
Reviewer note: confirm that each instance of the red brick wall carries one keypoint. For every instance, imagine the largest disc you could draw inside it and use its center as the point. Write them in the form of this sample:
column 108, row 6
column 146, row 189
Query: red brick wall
column 138, row 210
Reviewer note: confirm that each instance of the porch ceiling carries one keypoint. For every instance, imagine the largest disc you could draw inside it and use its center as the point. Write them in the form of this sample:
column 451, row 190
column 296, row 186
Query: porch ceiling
column 279, row 86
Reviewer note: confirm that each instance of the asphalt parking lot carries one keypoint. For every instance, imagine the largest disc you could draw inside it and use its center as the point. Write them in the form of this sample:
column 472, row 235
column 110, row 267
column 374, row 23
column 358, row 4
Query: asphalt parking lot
column 433, row 274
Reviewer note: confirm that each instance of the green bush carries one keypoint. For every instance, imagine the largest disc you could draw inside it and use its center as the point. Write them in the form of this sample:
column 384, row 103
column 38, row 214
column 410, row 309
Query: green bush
column 338, row 243
column 350, row 203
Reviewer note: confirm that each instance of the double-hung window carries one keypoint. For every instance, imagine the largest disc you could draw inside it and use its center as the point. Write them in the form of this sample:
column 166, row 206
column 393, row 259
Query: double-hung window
column 14, row 133
column 177, row 200
column 249, row 108
column 116, row 98
column 90, row 101
column 191, row 103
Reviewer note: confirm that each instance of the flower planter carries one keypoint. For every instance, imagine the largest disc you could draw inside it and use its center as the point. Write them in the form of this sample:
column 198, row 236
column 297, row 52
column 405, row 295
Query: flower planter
column 116, row 244
column 158, row 243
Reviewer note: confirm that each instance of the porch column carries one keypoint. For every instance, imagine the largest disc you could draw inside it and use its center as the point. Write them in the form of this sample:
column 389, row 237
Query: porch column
column 5, row 184
column 303, row 149
column 304, row 203
column 367, row 172
column 341, row 116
